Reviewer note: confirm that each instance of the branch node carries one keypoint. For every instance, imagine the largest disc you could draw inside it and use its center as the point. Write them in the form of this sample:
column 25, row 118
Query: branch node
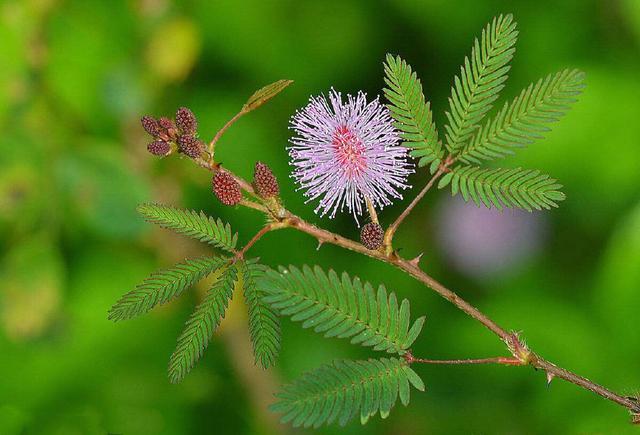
column 408, row 357
column 519, row 349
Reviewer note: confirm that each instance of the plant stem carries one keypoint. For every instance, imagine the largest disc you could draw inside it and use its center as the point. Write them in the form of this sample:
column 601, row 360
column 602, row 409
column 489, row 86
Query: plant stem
column 372, row 211
column 270, row 227
column 503, row 360
column 253, row 205
column 549, row 367
column 214, row 167
column 388, row 235
column 224, row 128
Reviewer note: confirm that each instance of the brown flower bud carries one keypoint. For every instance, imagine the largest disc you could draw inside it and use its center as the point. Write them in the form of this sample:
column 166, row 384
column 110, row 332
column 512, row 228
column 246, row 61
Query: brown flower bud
column 166, row 123
column 265, row 182
column 151, row 126
column 168, row 127
column 226, row 189
column 159, row 148
column 372, row 236
column 190, row 146
column 186, row 121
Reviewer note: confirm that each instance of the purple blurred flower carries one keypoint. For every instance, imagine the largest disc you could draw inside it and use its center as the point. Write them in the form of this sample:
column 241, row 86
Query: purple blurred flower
column 486, row 243
column 346, row 152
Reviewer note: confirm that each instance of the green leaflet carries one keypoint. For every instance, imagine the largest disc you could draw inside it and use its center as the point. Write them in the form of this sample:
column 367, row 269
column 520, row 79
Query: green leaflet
column 201, row 325
column 264, row 324
column 192, row 224
column 342, row 307
column 520, row 188
column 264, row 94
column 480, row 81
column 345, row 389
column 162, row 286
column 411, row 111
column 524, row 119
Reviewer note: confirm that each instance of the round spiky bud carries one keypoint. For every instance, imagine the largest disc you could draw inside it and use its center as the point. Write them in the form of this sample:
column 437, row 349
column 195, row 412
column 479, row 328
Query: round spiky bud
column 372, row 236
column 265, row 182
column 226, row 189
column 186, row 121
column 159, row 148
column 190, row 146
column 151, row 126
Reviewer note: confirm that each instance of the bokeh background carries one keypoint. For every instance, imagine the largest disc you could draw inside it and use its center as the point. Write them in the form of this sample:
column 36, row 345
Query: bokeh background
column 75, row 76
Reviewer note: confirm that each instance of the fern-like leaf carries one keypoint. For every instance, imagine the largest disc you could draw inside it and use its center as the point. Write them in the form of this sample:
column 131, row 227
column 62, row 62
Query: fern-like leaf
column 480, row 81
column 512, row 188
column 343, row 308
column 264, row 94
column 264, row 324
column 162, row 286
column 524, row 119
column 344, row 389
column 201, row 325
column 411, row 111
column 192, row 224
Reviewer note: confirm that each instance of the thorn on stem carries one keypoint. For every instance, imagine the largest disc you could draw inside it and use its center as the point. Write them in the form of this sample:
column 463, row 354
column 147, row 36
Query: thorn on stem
column 416, row 261
column 550, row 377
column 320, row 243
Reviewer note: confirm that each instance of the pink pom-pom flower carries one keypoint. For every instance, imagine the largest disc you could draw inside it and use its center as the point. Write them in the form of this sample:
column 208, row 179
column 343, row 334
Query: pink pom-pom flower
column 345, row 152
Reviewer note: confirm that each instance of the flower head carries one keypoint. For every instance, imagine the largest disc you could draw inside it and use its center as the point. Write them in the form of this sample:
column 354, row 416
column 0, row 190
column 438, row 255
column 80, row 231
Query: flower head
column 265, row 182
column 347, row 152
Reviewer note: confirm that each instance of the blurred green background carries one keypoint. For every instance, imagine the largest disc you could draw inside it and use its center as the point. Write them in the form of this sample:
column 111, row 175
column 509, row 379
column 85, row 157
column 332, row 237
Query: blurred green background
column 75, row 76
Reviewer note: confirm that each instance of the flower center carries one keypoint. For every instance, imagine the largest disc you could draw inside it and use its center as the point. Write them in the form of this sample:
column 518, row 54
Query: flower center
column 349, row 151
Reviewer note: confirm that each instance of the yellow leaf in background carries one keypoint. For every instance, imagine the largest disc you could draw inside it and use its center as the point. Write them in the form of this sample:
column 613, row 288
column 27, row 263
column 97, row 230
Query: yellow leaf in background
column 173, row 49
column 32, row 278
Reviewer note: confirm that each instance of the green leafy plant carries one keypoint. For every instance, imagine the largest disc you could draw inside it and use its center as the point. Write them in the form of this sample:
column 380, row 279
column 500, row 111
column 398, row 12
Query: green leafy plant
column 348, row 154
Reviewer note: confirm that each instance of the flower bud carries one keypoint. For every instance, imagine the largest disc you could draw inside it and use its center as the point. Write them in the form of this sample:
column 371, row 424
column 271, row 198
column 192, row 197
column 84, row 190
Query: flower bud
column 190, row 146
column 166, row 123
column 159, row 148
column 186, row 121
column 372, row 236
column 151, row 126
column 265, row 182
column 226, row 189
column 168, row 127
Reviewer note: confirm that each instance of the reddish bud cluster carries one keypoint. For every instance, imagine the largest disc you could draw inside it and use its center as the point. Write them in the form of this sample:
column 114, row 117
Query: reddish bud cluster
column 372, row 236
column 226, row 188
column 182, row 133
column 265, row 182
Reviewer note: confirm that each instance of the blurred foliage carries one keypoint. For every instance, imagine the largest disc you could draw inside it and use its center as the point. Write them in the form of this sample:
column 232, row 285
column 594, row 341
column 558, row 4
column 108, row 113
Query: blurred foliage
column 76, row 76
